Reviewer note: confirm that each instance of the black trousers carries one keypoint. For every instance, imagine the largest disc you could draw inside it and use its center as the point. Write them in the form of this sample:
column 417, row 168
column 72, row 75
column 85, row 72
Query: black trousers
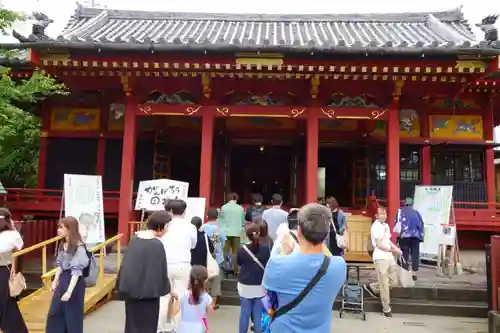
column 11, row 320
column 141, row 315
column 410, row 247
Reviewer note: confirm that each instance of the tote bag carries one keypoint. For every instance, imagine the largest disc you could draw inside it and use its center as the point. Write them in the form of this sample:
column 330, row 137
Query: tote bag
column 17, row 283
column 212, row 266
column 404, row 276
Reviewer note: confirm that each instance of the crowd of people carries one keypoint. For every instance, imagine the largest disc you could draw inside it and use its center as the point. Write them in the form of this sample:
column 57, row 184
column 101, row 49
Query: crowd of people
column 289, row 266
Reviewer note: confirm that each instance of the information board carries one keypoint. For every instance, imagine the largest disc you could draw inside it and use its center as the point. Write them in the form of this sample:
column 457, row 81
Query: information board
column 434, row 204
column 83, row 199
column 195, row 207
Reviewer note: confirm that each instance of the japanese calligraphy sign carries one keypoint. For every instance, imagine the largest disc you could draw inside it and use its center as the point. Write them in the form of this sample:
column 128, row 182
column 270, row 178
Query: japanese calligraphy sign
column 152, row 194
column 434, row 204
column 83, row 199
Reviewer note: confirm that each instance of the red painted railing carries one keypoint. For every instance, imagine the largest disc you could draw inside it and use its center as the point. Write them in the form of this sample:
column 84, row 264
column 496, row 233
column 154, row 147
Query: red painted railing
column 481, row 216
column 43, row 201
column 37, row 231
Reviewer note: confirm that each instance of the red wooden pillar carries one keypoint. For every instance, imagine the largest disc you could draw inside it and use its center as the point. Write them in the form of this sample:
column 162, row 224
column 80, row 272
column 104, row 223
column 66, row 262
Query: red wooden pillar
column 425, row 152
column 125, row 208
column 489, row 156
column 44, row 142
column 207, row 138
column 312, row 146
column 101, row 142
column 425, row 165
column 392, row 160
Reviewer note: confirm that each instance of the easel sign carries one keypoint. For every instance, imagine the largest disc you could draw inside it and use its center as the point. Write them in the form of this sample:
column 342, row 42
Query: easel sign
column 434, row 204
column 152, row 194
column 83, row 199
column 195, row 207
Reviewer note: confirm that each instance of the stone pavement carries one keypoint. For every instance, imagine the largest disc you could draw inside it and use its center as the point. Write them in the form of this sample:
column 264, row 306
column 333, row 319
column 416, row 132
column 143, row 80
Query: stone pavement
column 111, row 317
column 427, row 276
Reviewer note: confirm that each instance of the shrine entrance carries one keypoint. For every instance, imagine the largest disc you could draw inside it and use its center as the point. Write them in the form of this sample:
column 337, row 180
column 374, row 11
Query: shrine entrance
column 260, row 168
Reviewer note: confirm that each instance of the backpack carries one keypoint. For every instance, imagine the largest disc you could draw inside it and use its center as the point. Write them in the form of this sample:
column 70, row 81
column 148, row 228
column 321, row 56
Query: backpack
column 256, row 212
column 91, row 272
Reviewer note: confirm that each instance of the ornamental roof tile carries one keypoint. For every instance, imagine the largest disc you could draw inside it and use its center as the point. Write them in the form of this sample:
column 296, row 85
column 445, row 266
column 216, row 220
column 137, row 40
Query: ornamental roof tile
column 247, row 32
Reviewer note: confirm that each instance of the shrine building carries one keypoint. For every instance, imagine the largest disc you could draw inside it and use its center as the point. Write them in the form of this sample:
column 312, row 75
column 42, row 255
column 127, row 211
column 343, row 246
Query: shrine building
column 361, row 107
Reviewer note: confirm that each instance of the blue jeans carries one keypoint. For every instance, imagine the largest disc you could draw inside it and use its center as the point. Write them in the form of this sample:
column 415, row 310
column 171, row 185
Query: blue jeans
column 250, row 307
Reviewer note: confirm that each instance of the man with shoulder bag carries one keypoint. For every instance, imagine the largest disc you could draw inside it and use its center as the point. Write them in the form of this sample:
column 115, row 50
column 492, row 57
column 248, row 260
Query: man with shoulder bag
column 307, row 282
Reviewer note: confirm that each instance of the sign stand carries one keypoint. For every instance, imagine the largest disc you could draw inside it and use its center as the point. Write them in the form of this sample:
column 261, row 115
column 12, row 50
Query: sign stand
column 448, row 261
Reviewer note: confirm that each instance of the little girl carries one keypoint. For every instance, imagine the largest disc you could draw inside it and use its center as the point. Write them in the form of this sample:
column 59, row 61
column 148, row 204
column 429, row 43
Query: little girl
column 194, row 304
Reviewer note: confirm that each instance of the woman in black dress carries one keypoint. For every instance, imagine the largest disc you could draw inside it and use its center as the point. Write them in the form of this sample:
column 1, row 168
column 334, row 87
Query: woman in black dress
column 143, row 276
column 11, row 320
column 199, row 253
column 67, row 306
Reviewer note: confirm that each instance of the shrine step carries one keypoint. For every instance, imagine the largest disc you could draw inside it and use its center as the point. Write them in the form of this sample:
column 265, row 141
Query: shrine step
column 477, row 295
column 404, row 305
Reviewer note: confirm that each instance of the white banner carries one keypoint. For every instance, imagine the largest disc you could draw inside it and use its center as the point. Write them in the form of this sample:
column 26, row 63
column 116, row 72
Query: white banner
column 434, row 204
column 195, row 207
column 152, row 193
column 83, row 199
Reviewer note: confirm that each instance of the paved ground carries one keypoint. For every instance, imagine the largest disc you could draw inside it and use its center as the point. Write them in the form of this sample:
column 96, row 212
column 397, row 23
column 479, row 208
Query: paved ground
column 110, row 319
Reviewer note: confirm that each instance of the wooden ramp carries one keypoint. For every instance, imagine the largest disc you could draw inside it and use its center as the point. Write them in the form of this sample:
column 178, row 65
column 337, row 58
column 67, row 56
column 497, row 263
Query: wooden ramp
column 35, row 306
column 359, row 235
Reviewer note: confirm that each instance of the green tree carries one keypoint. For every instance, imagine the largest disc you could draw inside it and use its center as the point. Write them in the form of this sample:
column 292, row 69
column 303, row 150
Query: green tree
column 19, row 127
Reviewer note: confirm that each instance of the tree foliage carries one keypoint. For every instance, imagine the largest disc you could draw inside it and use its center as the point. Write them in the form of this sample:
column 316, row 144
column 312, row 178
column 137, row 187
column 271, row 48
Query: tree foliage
column 19, row 128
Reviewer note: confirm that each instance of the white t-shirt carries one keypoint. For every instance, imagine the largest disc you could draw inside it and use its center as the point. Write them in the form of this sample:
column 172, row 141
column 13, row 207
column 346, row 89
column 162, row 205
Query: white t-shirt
column 180, row 238
column 381, row 230
column 10, row 240
column 280, row 235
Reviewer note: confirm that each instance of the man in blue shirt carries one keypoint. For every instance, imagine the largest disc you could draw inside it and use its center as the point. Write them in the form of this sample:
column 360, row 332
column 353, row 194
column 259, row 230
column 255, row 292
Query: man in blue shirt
column 218, row 237
column 287, row 275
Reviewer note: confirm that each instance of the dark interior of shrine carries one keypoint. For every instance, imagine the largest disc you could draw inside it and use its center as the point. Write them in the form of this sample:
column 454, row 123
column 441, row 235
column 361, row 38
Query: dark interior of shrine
column 337, row 162
column 260, row 168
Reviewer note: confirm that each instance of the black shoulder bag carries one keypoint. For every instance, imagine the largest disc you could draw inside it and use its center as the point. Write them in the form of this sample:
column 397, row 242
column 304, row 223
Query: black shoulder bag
column 321, row 272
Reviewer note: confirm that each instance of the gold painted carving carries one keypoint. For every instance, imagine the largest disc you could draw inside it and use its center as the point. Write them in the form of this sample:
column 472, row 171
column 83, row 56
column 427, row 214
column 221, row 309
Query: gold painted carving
column 297, row 112
column 223, row 111
column 55, row 57
column 377, row 114
column 206, row 83
column 314, row 86
column 471, row 65
column 126, row 85
column 398, row 89
column 44, row 134
column 330, row 113
column 259, row 61
column 145, row 109
column 192, row 110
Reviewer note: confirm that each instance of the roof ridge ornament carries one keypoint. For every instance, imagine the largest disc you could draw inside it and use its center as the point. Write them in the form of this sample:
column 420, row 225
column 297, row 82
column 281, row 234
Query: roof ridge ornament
column 487, row 25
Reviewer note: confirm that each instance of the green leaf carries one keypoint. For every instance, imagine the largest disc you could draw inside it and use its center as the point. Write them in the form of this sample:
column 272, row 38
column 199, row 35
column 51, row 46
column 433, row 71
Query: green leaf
column 19, row 129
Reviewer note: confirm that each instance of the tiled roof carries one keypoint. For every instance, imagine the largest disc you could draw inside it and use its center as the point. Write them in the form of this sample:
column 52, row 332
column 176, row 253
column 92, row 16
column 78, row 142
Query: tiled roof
column 410, row 31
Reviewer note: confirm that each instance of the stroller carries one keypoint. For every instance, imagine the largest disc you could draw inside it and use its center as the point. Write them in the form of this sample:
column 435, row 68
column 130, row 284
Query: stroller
column 352, row 294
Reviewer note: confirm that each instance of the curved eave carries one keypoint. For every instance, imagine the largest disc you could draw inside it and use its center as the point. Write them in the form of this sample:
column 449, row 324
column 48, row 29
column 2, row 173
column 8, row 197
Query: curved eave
column 152, row 47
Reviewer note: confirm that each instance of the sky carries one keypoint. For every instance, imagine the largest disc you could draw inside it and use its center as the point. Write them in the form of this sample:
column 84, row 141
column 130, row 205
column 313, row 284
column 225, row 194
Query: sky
column 61, row 10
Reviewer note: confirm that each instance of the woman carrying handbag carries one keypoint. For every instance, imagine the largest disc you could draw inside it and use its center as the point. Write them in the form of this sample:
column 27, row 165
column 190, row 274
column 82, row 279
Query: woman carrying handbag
column 11, row 284
column 204, row 246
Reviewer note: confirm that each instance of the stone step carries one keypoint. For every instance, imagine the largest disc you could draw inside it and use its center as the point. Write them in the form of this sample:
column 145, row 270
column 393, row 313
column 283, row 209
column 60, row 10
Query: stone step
column 405, row 305
column 417, row 292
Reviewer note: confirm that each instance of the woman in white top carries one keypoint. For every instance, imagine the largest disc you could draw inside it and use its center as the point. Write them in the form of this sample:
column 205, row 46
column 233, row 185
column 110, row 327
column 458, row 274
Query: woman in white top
column 11, row 320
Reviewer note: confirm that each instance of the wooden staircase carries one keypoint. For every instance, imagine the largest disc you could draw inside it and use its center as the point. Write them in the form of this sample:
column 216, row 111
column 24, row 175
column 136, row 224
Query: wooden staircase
column 35, row 306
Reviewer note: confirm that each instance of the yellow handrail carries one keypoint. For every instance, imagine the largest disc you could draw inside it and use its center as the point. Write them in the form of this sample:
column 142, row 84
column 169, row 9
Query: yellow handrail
column 47, row 277
column 31, row 248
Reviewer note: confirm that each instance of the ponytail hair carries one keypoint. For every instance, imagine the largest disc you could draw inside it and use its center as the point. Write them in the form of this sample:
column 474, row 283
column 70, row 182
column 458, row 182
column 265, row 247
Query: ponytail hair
column 197, row 281
column 252, row 230
column 5, row 220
